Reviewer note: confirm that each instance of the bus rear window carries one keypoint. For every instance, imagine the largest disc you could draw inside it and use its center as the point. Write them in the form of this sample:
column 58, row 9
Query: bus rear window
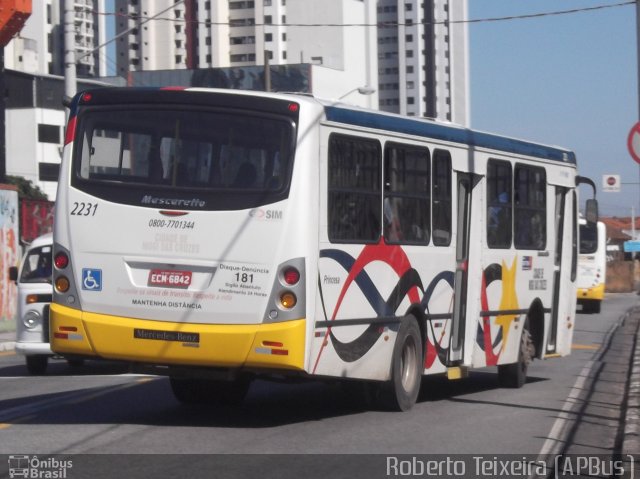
column 168, row 150
column 588, row 238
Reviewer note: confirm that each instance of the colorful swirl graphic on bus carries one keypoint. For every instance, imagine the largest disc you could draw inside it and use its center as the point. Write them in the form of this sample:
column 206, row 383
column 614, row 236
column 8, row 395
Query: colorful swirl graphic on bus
column 410, row 285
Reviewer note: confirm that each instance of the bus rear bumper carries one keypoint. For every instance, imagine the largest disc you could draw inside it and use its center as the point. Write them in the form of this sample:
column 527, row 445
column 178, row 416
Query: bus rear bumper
column 271, row 346
column 597, row 293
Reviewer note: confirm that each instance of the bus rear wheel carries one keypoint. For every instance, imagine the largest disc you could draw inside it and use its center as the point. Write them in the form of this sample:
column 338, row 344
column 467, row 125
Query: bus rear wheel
column 401, row 392
column 208, row 391
column 515, row 375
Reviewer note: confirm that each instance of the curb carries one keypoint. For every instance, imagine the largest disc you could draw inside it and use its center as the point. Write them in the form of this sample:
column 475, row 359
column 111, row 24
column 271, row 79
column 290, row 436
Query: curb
column 7, row 341
column 6, row 346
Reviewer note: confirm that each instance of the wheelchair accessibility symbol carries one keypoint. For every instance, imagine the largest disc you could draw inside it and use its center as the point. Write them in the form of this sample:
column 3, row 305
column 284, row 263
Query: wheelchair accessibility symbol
column 91, row 279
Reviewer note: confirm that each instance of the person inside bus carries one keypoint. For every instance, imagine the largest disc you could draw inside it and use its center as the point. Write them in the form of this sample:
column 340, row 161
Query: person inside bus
column 393, row 229
column 498, row 223
column 246, row 176
column 156, row 171
column 43, row 270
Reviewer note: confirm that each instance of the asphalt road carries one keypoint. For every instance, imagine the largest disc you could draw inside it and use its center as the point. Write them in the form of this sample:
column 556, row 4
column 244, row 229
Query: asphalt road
column 101, row 409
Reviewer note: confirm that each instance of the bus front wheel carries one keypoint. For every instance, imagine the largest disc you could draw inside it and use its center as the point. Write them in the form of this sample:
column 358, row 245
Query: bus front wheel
column 208, row 391
column 401, row 392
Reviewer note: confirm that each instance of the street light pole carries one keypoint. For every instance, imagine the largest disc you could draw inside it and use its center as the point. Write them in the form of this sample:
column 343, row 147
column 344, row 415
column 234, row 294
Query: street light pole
column 638, row 77
column 70, row 85
column 3, row 151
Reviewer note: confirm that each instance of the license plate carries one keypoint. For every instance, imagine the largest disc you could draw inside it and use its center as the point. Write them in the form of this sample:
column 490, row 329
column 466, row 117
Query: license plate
column 169, row 278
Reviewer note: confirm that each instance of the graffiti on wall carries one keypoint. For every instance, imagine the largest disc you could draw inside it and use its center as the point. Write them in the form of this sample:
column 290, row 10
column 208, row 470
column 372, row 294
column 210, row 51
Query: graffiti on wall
column 36, row 219
column 9, row 253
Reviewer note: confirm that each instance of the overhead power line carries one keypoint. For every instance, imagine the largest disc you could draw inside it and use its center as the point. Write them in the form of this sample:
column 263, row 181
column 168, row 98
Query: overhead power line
column 144, row 19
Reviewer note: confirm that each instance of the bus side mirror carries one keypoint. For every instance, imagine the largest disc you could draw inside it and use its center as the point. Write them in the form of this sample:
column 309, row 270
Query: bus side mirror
column 13, row 273
column 591, row 211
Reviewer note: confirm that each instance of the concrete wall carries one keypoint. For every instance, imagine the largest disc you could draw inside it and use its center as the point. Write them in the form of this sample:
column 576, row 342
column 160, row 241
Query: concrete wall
column 621, row 276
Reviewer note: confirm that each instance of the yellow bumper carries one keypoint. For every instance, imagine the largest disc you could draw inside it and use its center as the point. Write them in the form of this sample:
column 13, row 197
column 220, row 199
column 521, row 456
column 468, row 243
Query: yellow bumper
column 597, row 292
column 277, row 345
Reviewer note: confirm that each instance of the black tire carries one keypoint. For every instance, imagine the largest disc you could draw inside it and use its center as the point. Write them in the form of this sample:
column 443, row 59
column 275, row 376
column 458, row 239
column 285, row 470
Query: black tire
column 401, row 392
column 208, row 391
column 596, row 306
column 515, row 375
column 37, row 364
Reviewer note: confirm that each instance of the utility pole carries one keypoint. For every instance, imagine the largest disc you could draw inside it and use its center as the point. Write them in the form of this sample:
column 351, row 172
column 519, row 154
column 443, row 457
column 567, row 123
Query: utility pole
column 70, row 84
column 267, row 70
column 638, row 50
column 638, row 77
column 3, row 148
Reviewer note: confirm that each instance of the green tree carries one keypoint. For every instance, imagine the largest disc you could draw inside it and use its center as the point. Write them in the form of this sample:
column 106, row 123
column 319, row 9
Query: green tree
column 26, row 188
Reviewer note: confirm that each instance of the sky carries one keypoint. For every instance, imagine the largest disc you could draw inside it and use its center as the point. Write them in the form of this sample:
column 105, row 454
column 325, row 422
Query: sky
column 568, row 80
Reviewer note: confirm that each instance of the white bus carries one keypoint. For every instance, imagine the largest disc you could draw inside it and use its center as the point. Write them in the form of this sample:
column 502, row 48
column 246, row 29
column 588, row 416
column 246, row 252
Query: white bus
column 216, row 235
column 592, row 265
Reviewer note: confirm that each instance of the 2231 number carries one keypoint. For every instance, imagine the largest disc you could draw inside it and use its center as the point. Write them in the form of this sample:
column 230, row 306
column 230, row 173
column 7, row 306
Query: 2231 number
column 84, row 209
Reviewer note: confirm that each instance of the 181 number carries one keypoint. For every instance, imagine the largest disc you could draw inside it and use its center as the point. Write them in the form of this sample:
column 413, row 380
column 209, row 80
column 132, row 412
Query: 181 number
column 244, row 277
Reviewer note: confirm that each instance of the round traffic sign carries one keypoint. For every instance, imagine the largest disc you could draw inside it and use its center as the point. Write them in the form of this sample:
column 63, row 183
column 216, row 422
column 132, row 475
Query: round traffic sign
column 633, row 142
column 612, row 180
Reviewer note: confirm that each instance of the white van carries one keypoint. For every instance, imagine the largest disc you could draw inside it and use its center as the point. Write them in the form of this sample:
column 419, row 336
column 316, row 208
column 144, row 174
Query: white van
column 34, row 297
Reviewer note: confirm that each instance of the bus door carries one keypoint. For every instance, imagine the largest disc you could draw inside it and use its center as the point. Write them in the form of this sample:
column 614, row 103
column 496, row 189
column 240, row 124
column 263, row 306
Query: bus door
column 564, row 271
column 465, row 184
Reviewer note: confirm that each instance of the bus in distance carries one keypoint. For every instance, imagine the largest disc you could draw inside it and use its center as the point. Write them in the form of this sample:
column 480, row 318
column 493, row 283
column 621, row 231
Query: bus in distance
column 215, row 236
column 592, row 265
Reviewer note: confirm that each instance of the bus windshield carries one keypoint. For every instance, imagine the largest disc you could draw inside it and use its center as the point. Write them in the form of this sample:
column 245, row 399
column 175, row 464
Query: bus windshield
column 220, row 155
column 37, row 266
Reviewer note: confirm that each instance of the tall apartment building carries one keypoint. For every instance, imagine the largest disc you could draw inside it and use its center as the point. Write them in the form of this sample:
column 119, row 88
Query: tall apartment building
column 176, row 34
column 39, row 48
column 415, row 48
column 422, row 58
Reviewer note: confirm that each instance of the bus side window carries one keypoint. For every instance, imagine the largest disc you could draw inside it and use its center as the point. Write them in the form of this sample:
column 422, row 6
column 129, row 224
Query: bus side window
column 441, row 186
column 354, row 184
column 530, row 207
column 406, row 207
column 499, row 206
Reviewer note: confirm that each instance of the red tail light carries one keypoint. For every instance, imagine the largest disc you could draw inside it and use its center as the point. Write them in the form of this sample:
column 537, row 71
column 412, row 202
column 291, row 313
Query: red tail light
column 291, row 276
column 61, row 260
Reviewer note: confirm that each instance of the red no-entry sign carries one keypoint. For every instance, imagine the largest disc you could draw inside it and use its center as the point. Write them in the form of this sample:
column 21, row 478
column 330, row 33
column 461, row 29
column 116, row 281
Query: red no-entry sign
column 633, row 142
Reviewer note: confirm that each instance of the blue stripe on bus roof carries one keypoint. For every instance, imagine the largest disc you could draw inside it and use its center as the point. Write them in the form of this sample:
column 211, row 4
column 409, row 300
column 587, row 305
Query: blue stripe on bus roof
column 427, row 129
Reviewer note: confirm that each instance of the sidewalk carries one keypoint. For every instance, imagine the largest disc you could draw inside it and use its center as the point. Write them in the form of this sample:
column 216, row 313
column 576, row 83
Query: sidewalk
column 602, row 414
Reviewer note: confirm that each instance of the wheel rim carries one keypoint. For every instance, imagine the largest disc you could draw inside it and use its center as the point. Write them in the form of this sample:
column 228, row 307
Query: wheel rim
column 408, row 364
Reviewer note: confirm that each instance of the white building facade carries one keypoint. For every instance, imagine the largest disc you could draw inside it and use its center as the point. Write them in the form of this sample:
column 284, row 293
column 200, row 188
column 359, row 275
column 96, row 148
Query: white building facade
column 423, row 58
column 39, row 48
column 166, row 34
